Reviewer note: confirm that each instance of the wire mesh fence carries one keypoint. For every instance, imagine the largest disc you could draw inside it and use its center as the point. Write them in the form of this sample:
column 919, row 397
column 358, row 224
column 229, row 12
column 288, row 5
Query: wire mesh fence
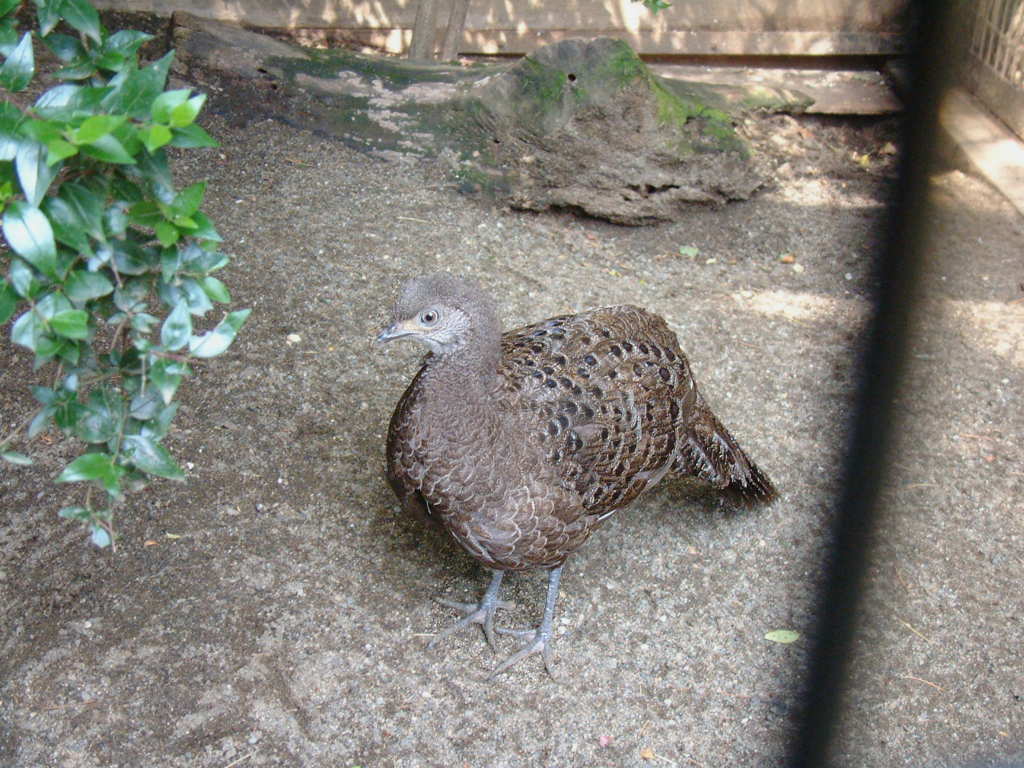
column 995, row 67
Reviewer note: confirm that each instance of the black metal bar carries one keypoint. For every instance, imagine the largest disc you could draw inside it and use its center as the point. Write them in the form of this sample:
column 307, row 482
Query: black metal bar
column 898, row 265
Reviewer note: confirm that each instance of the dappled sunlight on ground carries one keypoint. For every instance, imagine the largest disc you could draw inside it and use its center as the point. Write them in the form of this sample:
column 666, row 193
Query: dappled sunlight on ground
column 997, row 326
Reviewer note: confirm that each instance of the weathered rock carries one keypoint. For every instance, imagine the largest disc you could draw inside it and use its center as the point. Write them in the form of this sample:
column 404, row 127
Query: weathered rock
column 583, row 125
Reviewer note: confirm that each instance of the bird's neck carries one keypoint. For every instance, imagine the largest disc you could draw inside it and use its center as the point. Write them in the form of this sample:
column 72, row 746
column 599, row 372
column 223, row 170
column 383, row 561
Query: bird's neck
column 467, row 377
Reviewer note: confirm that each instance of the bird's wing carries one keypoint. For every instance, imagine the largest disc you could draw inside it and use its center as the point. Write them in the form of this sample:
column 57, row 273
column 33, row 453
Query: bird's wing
column 608, row 390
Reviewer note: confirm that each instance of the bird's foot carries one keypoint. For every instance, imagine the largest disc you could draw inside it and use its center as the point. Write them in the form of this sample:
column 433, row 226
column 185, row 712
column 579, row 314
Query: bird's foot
column 481, row 613
column 538, row 641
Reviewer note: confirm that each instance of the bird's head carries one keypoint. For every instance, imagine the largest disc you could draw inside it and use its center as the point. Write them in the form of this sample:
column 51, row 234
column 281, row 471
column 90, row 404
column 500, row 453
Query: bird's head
column 445, row 312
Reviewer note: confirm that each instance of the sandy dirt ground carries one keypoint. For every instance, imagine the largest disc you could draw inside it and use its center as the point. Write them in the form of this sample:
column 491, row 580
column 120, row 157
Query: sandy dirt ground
column 274, row 610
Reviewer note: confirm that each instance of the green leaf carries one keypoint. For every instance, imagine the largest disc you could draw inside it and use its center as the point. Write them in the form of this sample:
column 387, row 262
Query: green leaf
column 130, row 258
column 8, row 301
column 146, row 405
column 30, row 235
column 177, row 328
column 65, row 47
column 158, row 427
column 96, row 127
column 166, row 233
column 99, row 536
column 155, row 136
column 143, row 322
column 128, row 135
column 689, row 251
column 124, row 191
column 83, row 17
column 189, row 199
column 9, row 143
column 186, row 113
column 80, row 69
column 8, row 38
column 44, row 395
column 154, row 173
column 48, row 14
column 198, row 302
column 82, row 285
column 23, row 279
column 166, row 376
column 219, row 339
column 215, row 289
column 43, row 131
column 84, row 211
column 75, row 513
column 16, row 72
column 149, row 456
column 66, row 102
column 109, row 149
column 115, row 220
column 48, row 348
column 51, row 305
column 166, row 102
column 92, row 466
column 41, row 421
column 101, row 418
column 112, row 61
column 134, row 89
column 68, row 227
column 71, row 352
column 58, row 150
column 784, row 636
column 205, row 229
column 34, row 173
column 192, row 136
column 28, row 330
column 6, row 6
column 145, row 213
column 13, row 457
column 71, row 324
column 126, row 41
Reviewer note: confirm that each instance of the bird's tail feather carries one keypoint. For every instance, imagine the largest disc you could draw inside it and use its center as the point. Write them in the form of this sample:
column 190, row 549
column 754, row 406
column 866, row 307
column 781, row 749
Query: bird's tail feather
column 712, row 454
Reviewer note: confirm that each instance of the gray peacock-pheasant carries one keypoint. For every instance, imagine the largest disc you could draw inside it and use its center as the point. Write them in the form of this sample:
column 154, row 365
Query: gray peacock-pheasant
column 521, row 444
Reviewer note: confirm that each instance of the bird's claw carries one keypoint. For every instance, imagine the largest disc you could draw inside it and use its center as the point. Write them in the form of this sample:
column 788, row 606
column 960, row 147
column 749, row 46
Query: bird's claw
column 540, row 642
column 481, row 613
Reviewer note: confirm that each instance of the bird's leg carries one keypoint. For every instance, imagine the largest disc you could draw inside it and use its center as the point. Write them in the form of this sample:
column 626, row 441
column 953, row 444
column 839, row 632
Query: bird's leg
column 540, row 638
column 476, row 613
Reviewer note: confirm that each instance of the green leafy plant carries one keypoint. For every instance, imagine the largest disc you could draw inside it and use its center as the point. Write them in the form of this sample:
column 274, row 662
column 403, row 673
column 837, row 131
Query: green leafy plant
column 108, row 264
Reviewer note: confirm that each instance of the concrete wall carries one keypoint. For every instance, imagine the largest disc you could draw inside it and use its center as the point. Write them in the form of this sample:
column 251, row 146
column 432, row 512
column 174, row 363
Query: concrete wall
column 722, row 27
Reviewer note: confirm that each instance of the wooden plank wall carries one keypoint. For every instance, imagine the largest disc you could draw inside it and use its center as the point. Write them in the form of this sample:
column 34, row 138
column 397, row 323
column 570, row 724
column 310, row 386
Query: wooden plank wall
column 695, row 27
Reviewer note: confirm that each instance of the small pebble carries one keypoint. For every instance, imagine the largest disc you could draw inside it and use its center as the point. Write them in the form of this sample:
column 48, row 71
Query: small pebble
column 293, row 338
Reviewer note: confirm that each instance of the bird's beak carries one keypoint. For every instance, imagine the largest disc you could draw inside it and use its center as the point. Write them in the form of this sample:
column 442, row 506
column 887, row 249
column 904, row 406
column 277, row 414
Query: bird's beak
column 397, row 330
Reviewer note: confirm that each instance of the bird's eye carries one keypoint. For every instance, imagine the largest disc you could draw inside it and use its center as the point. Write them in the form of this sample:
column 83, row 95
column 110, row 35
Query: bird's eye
column 429, row 317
